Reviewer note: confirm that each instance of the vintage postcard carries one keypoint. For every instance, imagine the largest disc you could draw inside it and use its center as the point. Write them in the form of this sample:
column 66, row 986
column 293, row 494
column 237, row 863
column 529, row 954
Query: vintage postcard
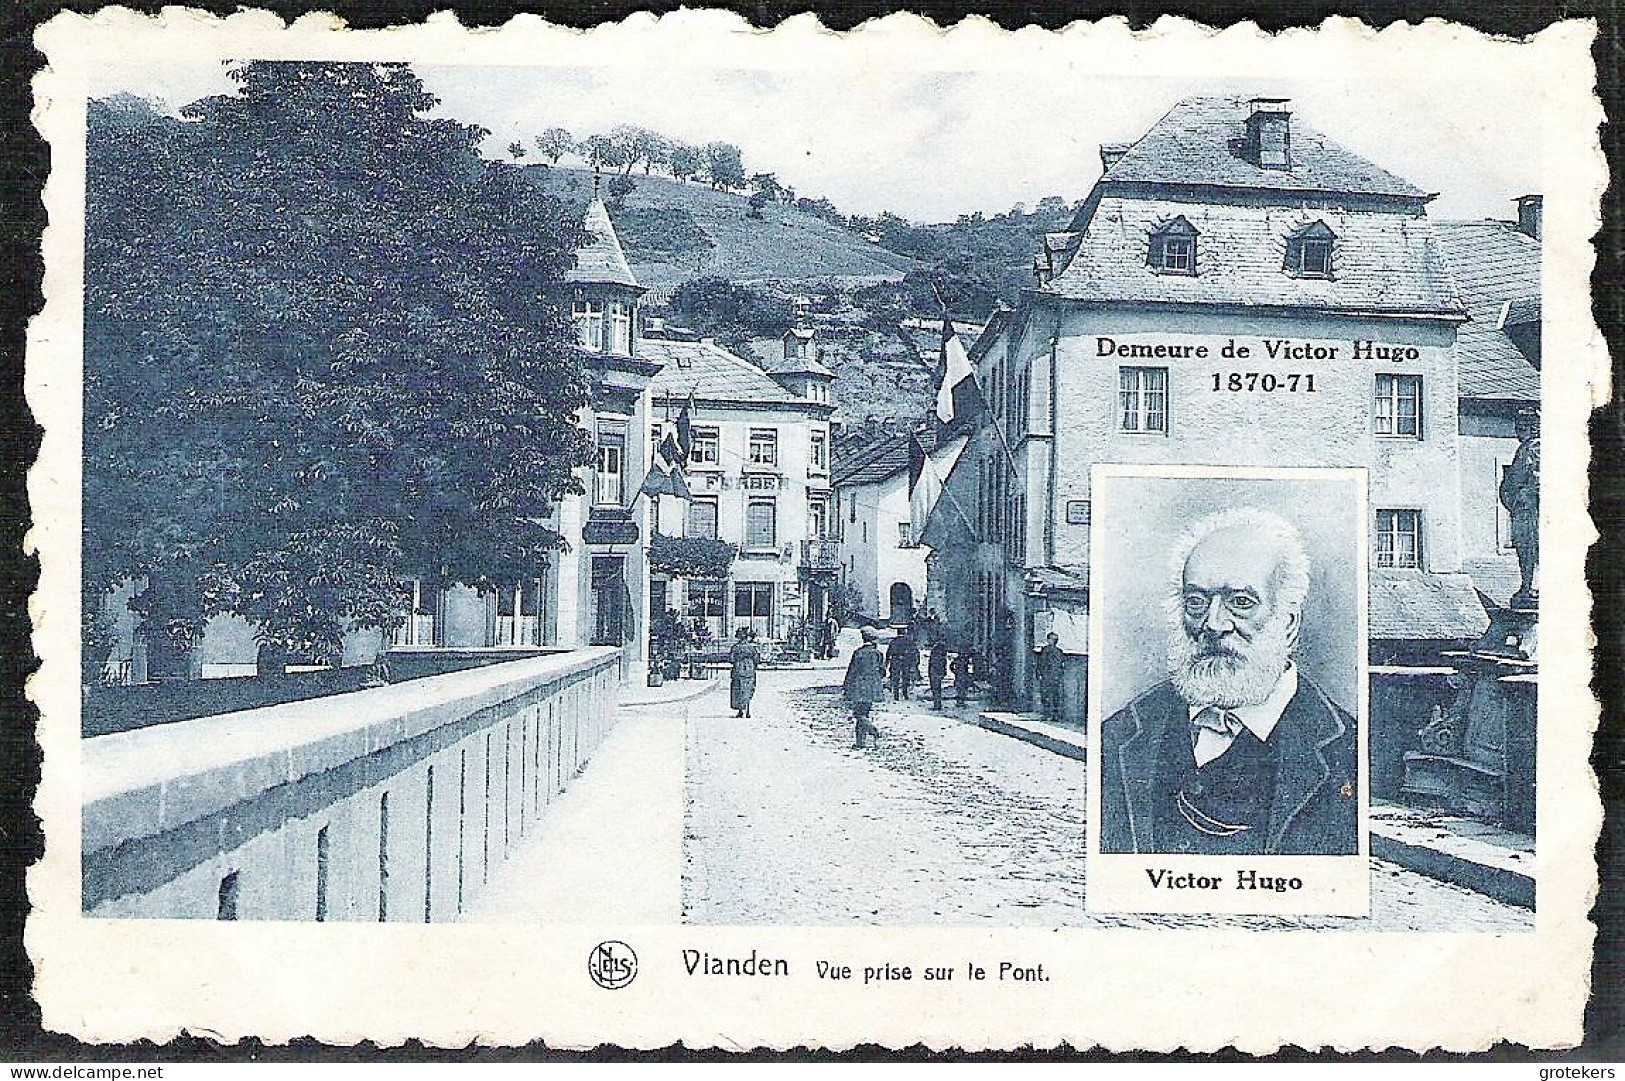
column 945, row 536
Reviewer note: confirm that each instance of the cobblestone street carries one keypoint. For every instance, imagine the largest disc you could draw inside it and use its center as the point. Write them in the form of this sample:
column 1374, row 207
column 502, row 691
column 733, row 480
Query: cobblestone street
column 943, row 823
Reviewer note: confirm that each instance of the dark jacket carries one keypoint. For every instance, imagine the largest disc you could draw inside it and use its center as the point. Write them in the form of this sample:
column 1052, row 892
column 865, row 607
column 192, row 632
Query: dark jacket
column 936, row 665
column 1313, row 810
column 865, row 681
column 903, row 657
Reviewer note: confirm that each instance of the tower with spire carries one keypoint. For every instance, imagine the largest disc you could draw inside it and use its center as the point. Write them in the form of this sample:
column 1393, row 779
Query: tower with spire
column 604, row 292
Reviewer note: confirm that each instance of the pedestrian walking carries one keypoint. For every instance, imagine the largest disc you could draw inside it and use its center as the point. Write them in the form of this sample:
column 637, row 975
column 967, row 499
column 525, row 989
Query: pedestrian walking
column 832, row 632
column 865, row 685
column 962, row 668
column 936, row 667
column 1049, row 677
column 902, row 665
column 743, row 659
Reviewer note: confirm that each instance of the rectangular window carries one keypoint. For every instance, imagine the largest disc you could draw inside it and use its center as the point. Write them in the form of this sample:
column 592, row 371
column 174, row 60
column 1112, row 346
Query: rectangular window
column 1399, row 538
column 587, row 316
column 1398, row 409
column 763, row 449
column 707, row 447
column 753, row 607
column 1316, row 258
column 610, row 478
column 1178, row 254
column 702, row 517
column 817, row 517
column 905, row 534
column 761, row 525
column 819, row 453
column 704, row 599
column 620, row 328
column 1143, row 399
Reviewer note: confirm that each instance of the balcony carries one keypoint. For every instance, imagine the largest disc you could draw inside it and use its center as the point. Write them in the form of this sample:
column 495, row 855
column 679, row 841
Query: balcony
column 820, row 554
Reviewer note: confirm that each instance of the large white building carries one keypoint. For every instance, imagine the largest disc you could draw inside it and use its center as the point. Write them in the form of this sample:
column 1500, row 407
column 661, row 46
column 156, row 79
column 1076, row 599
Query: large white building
column 1232, row 222
column 759, row 476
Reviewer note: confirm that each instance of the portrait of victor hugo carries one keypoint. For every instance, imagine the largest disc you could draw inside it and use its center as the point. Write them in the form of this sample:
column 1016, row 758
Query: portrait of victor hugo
column 1230, row 668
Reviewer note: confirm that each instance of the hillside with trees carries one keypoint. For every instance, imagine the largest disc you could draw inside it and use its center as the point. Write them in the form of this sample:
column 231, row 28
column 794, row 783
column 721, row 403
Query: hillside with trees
column 726, row 250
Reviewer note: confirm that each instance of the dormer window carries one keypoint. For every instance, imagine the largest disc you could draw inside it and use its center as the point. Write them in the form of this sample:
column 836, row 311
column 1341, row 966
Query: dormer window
column 1309, row 251
column 1173, row 248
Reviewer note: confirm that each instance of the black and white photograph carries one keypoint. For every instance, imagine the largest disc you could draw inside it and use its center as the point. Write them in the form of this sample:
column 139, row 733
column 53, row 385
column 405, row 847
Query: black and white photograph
column 1243, row 740
column 811, row 523
column 1228, row 664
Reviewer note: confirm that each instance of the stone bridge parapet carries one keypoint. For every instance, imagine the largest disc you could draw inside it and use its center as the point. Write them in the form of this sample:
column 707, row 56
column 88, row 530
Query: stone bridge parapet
column 393, row 803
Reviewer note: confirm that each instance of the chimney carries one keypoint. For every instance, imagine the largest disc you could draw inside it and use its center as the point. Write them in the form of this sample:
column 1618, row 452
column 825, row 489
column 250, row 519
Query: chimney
column 1529, row 215
column 1112, row 153
column 1269, row 133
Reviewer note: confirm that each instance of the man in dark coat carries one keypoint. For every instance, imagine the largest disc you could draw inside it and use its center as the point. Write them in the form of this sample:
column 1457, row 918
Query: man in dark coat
column 865, row 685
column 902, row 664
column 936, row 670
column 1048, row 664
column 1237, row 752
column 961, row 666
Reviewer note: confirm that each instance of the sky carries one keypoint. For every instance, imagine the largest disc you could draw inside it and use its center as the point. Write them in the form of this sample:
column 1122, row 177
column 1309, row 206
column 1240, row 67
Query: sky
column 931, row 145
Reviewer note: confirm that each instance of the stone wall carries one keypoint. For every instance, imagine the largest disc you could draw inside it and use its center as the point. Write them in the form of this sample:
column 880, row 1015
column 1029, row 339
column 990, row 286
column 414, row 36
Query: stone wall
column 395, row 803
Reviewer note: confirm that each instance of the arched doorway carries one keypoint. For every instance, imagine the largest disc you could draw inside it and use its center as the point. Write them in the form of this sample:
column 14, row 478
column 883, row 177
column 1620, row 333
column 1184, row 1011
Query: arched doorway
column 902, row 602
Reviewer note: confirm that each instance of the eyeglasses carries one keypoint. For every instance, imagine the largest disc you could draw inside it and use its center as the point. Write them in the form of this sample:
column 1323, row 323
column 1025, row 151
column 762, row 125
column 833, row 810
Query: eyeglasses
column 1238, row 602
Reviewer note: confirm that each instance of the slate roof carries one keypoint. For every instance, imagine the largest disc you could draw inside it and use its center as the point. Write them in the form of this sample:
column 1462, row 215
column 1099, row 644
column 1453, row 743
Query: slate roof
column 600, row 261
column 707, row 370
column 1382, row 261
column 801, row 366
column 1494, row 266
column 1198, row 142
column 875, row 462
column 1417, row 606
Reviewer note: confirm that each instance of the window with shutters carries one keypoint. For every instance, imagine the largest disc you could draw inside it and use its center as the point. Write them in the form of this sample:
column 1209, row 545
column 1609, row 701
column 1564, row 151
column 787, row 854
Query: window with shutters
column 761, row 525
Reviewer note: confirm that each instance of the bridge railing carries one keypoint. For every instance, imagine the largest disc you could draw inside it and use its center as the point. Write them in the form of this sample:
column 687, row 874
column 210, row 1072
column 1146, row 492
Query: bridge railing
column 394, row 803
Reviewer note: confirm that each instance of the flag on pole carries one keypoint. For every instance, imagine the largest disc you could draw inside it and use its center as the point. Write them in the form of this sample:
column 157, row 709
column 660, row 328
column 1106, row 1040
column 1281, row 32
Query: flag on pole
column 924, row 486
column 957, row 393
column 685, row 431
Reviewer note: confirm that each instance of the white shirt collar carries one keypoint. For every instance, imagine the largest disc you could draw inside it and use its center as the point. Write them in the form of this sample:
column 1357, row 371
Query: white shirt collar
column 1262, row 718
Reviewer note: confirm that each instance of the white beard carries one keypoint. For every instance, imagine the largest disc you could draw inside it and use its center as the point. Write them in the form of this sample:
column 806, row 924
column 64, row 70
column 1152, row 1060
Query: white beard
column 1230, row 681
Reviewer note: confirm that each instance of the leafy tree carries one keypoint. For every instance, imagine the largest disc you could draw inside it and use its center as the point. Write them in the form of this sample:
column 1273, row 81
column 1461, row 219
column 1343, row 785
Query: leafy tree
column 604, row 151
column 732, row 313
column 685, row 161
column 619, row 187
column 554, row 143
column 516, row 150
column 315, row 361
column 724, row 166
column 640, row 146
column 767, row 186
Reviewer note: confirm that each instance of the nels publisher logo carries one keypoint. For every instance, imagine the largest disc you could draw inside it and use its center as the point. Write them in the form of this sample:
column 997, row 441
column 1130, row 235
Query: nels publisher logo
column 612, row 965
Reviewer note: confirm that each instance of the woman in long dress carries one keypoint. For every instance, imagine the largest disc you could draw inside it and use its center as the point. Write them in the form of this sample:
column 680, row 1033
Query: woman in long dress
column 744, row 658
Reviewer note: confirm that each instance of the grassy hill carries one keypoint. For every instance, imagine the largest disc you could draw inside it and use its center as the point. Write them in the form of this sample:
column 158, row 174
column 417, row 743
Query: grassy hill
column 673, row 232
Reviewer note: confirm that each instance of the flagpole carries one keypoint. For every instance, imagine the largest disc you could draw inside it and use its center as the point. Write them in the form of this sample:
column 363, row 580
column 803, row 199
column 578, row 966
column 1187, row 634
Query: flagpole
column 998, row 429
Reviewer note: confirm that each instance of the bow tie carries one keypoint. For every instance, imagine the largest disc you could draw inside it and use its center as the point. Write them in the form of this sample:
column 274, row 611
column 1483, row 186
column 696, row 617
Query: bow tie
column 1218, row 721
column 1213, row 730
